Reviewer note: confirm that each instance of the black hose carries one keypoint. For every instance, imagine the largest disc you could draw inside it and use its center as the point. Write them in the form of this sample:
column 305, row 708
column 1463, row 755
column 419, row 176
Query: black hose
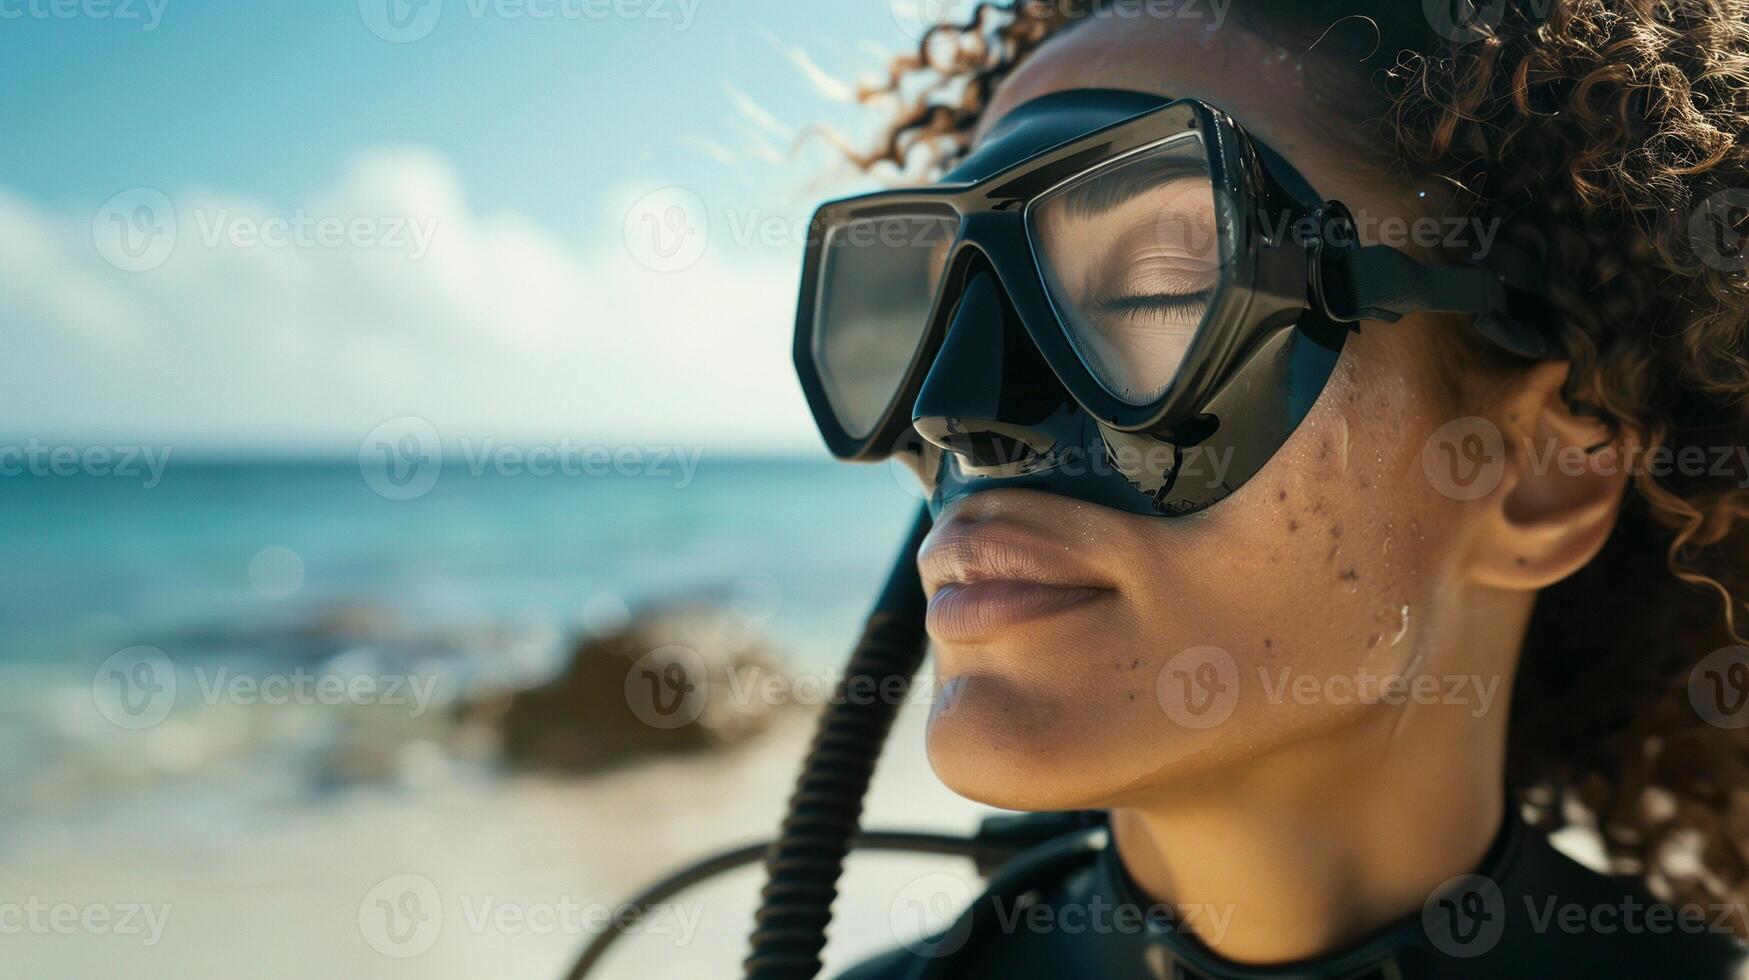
column 805, row 861
column 981, row 850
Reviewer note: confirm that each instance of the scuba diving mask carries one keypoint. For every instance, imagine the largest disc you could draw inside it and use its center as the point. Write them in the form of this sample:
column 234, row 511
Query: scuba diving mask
column 1117, row 298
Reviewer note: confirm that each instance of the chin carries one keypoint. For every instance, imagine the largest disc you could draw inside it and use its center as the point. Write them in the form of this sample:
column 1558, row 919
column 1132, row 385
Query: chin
column 1021, row 745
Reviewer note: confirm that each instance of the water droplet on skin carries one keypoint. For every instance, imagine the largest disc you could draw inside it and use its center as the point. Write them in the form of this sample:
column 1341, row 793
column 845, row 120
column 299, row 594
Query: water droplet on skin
column 1403, row 625
column 1342, row 443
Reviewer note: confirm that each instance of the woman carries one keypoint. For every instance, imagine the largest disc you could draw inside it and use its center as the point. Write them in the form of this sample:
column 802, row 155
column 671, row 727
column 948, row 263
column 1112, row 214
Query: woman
column 1339, row 555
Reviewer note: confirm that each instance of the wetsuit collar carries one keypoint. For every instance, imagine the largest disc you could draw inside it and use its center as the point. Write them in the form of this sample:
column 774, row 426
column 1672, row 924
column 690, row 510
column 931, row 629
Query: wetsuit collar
column 1401, row 949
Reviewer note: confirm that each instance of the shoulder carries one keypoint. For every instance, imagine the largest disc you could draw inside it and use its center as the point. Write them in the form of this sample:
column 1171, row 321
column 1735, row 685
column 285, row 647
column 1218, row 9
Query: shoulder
column 1563, row 914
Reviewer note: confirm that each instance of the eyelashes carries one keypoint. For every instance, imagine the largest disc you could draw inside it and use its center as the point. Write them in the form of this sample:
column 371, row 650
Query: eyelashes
column 1140, row 316
column 1174, row 307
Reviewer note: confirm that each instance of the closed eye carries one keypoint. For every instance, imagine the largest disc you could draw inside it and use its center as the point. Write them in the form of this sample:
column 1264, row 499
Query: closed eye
column 1161, row 304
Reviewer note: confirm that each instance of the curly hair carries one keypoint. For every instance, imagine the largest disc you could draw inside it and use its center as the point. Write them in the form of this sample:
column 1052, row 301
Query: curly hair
column 1609, row 139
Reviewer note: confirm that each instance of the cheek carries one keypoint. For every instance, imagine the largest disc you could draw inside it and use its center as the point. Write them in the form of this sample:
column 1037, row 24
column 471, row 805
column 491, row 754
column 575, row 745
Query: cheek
column 1233, row 622
column 1329, row 564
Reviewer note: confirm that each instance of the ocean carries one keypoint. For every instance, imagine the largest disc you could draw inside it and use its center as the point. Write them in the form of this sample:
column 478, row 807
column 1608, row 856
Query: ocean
column 291, row 572
column 92, row 565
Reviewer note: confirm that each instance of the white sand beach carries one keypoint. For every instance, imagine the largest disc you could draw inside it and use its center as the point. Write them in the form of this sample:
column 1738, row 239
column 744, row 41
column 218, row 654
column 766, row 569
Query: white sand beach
column 513, row 866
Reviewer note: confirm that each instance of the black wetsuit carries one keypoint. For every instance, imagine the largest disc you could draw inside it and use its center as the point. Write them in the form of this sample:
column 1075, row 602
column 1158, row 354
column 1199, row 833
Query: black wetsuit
column 1068, row 909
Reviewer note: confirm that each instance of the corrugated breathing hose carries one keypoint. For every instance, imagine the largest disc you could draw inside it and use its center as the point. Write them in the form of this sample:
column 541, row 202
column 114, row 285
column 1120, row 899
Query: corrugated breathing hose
column 806, row 860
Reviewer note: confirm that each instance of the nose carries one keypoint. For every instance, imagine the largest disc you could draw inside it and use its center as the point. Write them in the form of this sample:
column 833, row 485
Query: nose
column 989, row 395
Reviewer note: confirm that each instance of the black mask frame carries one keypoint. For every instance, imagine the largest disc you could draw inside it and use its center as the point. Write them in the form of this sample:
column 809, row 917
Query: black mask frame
column 1287, row 304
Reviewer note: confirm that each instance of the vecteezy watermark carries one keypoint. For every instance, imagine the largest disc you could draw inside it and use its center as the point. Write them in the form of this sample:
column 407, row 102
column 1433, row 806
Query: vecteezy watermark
column 667, row 230
column 137, row 688
column 405, row 21
column 1099, row 916
column 138, row 230
column 34, row 458
column 917, row 17
column 671, row 687
column 668, row 687
column 223, row 685
column 404, row 915
column 1464, row 21
column 36, row 916
column 1365, row 686
column 135, row 231
column 1465, row 917
column 810, row 689
column 932, row 916
column 403, row 459
column 1630, row 915
column 411, row 234
column 1195, row 232
column 1158, row 467
column 1199, row 688
column 566, row 916
column 147, row 14
column 568, row 458
column 1466, row 459
column 1718, row 230
column 401, row 916
column 1718, row 687
column 925, row 914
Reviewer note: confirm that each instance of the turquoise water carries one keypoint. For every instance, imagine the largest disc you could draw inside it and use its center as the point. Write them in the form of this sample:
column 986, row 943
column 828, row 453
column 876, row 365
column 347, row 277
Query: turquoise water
column 93, row 565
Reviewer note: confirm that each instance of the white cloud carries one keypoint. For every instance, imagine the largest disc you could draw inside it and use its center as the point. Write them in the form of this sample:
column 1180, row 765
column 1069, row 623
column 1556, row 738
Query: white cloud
column 822, row 81
column 758, row 114
column 501, row 329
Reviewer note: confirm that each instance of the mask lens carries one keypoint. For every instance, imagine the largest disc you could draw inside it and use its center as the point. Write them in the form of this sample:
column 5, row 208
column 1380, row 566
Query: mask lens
column 1133, row 259
column 877, row 284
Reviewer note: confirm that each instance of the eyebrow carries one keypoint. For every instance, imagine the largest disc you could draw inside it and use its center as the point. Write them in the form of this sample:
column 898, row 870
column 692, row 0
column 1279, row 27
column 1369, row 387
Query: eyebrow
column 1094, row 197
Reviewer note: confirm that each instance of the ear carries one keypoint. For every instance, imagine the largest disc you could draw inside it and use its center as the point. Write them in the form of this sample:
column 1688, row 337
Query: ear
column 1562, row 488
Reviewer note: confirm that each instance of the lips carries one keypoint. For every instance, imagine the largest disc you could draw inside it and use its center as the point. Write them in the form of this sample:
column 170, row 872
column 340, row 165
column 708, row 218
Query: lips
column 987, row 578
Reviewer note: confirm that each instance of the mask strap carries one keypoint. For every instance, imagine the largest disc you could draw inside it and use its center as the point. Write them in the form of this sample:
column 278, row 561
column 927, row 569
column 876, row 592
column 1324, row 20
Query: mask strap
column 1380, row 283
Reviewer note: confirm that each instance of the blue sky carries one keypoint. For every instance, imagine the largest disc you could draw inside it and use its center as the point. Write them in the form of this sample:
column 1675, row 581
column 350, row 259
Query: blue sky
column 524, row 134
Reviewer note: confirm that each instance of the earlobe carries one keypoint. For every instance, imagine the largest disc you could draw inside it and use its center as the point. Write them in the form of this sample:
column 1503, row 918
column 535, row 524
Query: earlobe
column 1566, row 475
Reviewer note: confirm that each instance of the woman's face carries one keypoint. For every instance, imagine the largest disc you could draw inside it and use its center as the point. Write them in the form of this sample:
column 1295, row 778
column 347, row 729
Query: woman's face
column 1167, row 650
